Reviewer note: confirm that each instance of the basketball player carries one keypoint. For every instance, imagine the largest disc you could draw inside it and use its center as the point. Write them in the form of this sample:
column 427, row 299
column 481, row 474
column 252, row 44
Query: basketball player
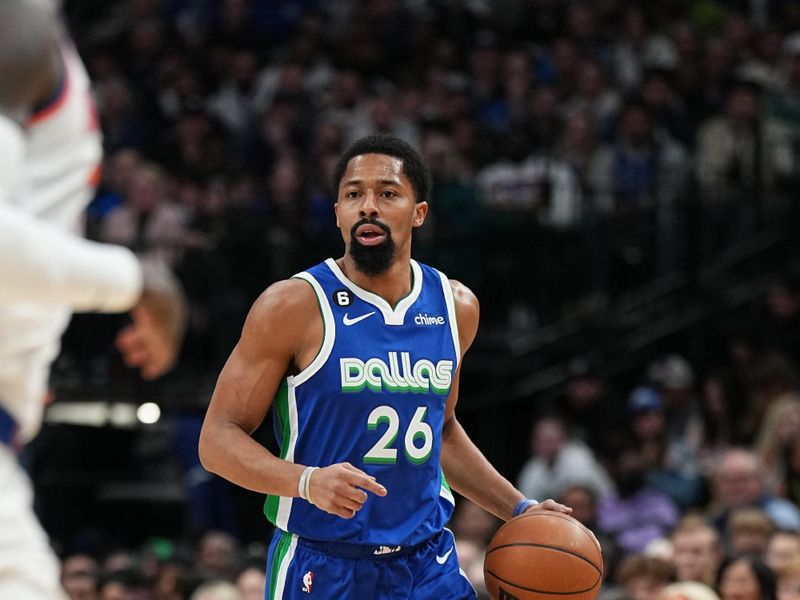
column 360, row 359
column 49, row 160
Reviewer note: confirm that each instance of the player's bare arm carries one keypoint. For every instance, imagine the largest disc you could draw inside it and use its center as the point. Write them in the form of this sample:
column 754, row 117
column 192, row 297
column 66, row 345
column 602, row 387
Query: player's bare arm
column 466, row 468
column 282, row 334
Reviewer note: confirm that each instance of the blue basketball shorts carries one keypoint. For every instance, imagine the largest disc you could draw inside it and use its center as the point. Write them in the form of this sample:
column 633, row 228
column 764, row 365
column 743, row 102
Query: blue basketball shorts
column 301, row 569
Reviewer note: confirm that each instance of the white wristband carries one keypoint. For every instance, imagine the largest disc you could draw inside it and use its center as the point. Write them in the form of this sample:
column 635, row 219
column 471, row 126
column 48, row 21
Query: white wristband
column 301, row 485
column 308, row 484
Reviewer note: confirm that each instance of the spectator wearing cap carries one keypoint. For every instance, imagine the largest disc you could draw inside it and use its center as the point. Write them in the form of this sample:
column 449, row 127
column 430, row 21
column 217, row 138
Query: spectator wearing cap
column 671, row 465
column 674, row 377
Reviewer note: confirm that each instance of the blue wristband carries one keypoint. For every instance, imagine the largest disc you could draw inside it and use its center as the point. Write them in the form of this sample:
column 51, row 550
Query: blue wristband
column 522, row 506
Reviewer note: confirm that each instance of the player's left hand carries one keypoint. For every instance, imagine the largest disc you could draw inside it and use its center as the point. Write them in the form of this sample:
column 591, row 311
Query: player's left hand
column 550, row 504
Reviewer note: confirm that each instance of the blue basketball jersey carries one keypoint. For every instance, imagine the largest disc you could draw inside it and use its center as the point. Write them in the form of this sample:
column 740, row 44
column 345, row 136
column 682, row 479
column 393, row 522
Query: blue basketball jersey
column 374, row 396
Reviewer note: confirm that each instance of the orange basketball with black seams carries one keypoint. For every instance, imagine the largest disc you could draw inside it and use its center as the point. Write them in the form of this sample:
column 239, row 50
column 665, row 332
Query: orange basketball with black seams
column 543, row 556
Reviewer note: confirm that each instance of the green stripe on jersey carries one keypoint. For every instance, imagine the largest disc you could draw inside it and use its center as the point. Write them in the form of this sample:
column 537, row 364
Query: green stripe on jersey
column 281, row 404
column 277, row 558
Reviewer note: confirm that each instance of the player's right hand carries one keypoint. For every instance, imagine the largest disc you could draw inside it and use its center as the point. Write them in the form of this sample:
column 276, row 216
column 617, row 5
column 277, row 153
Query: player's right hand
column 151, row 343
column 341, row 489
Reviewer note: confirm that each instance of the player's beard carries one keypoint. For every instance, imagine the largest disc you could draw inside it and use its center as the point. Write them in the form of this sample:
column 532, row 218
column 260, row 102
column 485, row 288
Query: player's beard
column 372, row 260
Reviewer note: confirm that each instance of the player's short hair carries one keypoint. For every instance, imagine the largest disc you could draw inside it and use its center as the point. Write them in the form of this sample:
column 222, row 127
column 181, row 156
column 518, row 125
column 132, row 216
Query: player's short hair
column 413, row 166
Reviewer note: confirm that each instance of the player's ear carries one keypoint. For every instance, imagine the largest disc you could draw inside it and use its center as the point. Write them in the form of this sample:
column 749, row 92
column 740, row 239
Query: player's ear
column 336, row 212
column 420, row 212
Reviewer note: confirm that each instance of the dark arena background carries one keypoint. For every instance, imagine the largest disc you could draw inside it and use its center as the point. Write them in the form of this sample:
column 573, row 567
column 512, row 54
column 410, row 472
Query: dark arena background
column 616, row 181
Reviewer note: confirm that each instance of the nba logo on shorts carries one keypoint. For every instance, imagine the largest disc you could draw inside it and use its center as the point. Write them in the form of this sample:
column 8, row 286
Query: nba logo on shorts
column 308, row 580
column 504, row 595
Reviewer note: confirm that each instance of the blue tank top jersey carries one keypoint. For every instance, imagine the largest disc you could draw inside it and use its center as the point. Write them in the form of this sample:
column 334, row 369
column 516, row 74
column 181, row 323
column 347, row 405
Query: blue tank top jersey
column 374, row 396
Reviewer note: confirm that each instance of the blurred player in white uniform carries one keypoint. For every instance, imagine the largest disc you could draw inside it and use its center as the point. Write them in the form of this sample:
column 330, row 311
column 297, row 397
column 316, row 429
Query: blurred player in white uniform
column 50, row 153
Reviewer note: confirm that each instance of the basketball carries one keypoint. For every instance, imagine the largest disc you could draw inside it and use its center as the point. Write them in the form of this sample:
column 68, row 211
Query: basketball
column 543, row 556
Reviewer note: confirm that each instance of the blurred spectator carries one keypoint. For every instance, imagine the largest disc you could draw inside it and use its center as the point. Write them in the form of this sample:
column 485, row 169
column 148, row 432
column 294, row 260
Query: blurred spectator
column 697, row 550
column 783, row 550
column 216, row 590
column 670, row 462
column 746, row 578
column 173, row 579
column 643, row 577
column 640, row 180
column 772, row 381
column 789, row 582
column 783, row 103
column 118, row 170
column 749, row 531
column 80, row 577
column 639, row 513
column 638, row 48
column 148, row 221
column 120, row 560
column 218, row 555
column 739, row 482
column 471, row 522
column 666, row 106
column 780, row 330
column 234, row 103
column 675, row 379
column 583, row 501
column 577, row 147
column 473, row 528
column 688, row 590
column 791, row 483
column 557, row 461
column 743, row 160
column 722, row 407
column 251, row 583
column 128, row 584
column 594, row 97
column 592, row 410
column 779, row 428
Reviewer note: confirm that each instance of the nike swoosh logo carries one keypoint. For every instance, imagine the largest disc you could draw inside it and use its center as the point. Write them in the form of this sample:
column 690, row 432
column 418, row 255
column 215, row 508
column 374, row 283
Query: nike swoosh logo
column 348, row 321
column 443, row 559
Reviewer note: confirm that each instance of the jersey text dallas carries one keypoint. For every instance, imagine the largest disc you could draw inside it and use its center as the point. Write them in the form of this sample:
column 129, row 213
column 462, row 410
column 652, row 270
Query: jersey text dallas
column 397, row 376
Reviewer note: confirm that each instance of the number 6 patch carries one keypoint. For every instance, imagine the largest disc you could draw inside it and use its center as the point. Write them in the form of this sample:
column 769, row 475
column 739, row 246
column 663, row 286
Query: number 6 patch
column 342, row 297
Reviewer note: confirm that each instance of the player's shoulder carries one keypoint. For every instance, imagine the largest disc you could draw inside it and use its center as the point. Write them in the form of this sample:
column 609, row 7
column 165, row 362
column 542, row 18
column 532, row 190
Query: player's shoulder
column 467, row 311
column 464, row 297
column 283, row 302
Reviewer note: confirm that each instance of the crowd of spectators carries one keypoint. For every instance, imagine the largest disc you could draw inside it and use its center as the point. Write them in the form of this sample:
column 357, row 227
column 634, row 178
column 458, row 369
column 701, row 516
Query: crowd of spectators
column 578, row 149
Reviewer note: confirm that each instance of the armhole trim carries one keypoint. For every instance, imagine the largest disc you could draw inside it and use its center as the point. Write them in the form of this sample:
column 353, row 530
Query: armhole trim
column 328, row 332
column 450, row 301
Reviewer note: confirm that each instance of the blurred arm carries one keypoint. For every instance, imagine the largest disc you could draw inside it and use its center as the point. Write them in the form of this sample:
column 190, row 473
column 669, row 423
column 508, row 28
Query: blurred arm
column 40, row 263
